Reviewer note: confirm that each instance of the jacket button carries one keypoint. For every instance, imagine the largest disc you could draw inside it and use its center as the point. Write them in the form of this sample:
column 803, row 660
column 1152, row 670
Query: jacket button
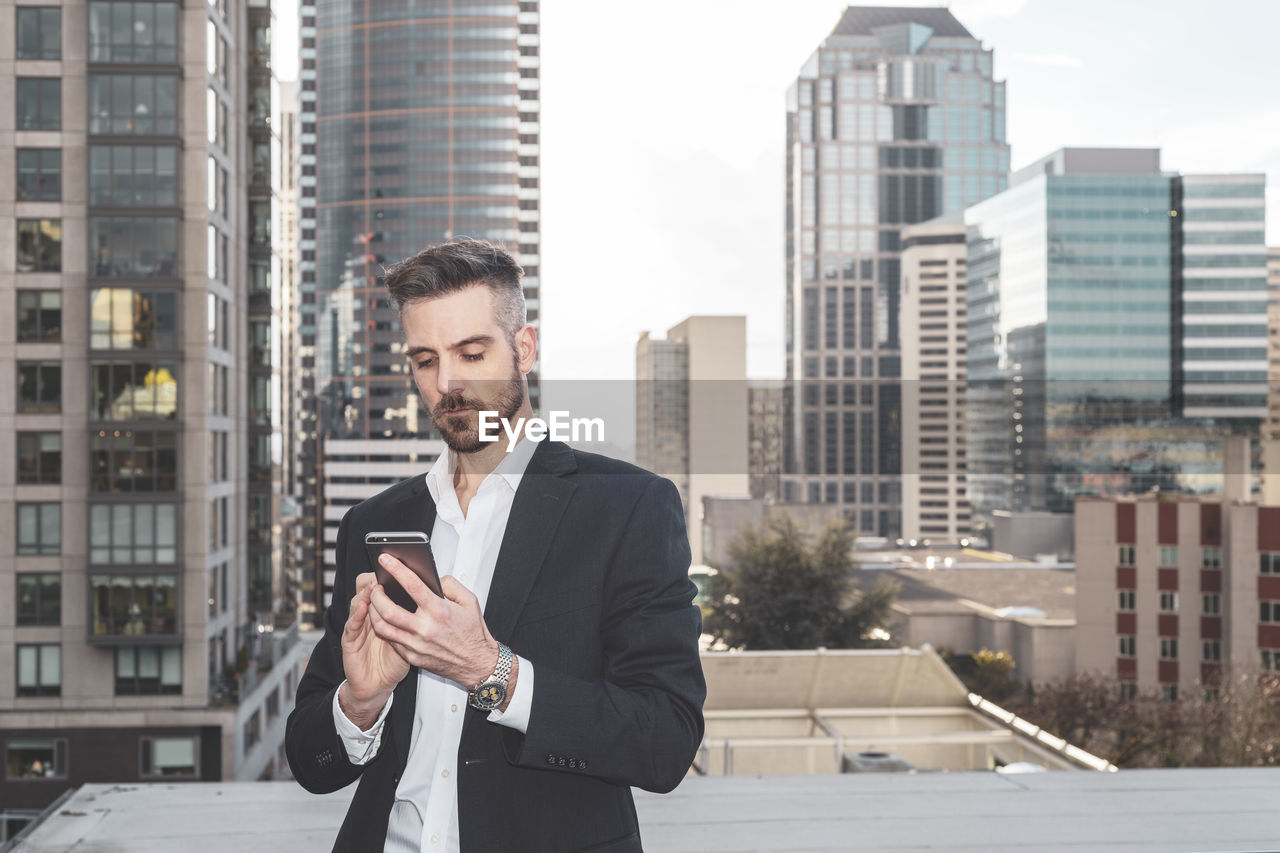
column 561, row 761
column 573, row 762
column 582, row 764
column 551, row 759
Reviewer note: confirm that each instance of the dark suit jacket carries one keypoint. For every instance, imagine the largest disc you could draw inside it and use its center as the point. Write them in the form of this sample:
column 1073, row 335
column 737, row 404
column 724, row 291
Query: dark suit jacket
column 591, row 586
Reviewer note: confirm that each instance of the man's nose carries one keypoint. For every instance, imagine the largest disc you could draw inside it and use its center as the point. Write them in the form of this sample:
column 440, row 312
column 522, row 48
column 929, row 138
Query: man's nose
column 446, row 383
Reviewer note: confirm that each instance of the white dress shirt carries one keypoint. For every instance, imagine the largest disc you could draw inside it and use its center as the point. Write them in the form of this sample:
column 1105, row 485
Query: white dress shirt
column 425, row 814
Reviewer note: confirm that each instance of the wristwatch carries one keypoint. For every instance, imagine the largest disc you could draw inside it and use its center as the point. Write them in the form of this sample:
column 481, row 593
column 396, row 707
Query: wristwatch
column 492, row 692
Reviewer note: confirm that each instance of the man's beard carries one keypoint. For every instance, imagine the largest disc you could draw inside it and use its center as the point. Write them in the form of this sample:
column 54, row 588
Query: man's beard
column 461, row 432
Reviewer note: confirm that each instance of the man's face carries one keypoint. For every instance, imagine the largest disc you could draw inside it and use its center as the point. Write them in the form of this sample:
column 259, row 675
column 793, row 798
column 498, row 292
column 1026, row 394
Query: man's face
column 463, row 364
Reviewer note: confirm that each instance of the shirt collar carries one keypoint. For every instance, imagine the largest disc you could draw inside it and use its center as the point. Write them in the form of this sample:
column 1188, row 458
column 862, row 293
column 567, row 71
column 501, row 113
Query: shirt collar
column 510, row 470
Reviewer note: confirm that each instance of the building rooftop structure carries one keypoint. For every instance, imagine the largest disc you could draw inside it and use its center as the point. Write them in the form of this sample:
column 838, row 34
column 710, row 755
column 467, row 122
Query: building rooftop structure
column 1139, row 811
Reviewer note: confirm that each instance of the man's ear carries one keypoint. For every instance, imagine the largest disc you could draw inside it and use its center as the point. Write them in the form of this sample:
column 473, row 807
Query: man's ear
column 526, row 348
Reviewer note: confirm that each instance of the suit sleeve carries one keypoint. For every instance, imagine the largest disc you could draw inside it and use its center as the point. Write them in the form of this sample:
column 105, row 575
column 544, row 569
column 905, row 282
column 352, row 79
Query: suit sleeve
column 316, row 751
column 642, row 724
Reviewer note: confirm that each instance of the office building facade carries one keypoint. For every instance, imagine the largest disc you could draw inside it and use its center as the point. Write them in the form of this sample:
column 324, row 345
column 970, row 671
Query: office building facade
column 136, row 473
column 1116, row 329
column 894, row 120
column 417, row 124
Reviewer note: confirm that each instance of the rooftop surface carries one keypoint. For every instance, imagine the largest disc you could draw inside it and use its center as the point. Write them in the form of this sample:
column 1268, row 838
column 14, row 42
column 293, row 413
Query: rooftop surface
column 864, row 20
column 1137, row 811
column 948, row 590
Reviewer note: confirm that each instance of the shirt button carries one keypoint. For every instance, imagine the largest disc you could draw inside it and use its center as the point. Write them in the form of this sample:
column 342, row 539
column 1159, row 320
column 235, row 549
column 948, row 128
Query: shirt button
column 361, row 740
column 445, row 773
column 434, row 839
column 453, row 708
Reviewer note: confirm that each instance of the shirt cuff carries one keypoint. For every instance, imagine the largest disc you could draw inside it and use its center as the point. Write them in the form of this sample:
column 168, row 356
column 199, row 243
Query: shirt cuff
column 361, row 746
column 521, row 705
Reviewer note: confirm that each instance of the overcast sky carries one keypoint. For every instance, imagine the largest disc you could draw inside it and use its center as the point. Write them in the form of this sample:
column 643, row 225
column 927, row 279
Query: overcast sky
column 663, row 128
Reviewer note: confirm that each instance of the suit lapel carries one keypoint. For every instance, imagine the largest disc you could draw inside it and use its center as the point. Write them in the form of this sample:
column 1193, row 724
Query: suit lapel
column 417, row 511
column 539, row 503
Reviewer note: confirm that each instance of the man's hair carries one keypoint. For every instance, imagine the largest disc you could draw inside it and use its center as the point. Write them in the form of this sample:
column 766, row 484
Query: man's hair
column 456, row 265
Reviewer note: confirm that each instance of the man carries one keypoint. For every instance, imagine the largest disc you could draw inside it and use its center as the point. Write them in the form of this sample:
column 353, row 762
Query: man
column 561, row 666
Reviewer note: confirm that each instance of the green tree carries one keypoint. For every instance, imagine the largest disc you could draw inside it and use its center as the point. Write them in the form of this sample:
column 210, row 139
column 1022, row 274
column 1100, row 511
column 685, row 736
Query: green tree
column 785, row 592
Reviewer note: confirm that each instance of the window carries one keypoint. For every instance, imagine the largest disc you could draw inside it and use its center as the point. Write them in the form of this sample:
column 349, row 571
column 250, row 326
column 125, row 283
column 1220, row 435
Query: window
column 125, row 104
column 40, row 670
column 252, row 731
column 1271, row 660
column 1169, row 555
column 39, row 174
column 39, row 245
column 39, row 457
column 1269, row 611
column 1212, row 651
column 1128, row 691
column 39, row 598
column 39, row 103
column 148, row 670
column 1168, row 602
column 1168, row 648
column 36, row 758
column 273, row 706
column 134, row 605
column 1124, row 555
column 122, row 318
column 132, row 390
column 127, row 175
column 168, row 757
column 1125, row 599
column 1128, row 645
column 133, row 32
column 1212, row 604
column 132, row 533
column 39, row 32
column 1168, row 693
column 134, row 246
column 1211, row 558
column 39, row 387
column 1269, row 562
column 133, row 461
column 39, row 528
column 39, row 316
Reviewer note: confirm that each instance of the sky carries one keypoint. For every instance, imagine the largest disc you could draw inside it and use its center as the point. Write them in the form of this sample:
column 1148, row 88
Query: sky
column 663, row 128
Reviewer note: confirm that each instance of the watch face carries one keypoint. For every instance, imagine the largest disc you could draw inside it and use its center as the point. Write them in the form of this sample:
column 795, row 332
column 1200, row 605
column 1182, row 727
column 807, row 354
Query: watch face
column 491, row 695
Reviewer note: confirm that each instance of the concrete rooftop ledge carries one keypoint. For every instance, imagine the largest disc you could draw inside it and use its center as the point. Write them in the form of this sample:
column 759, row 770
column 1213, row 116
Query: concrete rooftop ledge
column 1160, row 811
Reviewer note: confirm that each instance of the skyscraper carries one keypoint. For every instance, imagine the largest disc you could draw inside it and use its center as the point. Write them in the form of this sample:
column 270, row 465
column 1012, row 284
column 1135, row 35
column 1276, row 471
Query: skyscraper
column 1116, row 329
column 895, row 119
column 137, row 483
column 419, row 124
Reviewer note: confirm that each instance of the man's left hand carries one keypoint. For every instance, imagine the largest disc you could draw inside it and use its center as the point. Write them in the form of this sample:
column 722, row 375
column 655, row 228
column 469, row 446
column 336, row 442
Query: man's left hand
column 446, row 636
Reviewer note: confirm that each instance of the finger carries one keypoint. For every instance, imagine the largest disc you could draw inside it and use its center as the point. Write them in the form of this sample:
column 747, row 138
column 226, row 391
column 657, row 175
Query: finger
column 365, row 579
column 393, row 634
column 408, row 579
column 457, row 593
column 388, row 611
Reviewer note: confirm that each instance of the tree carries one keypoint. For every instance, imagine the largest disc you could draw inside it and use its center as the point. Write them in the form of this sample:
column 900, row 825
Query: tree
column 784, row 592
column 987, row 673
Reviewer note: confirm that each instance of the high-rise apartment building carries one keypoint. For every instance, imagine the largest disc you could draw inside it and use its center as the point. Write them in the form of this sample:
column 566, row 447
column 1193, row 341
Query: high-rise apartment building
column 1116, row 329
column 691, row 411
column 894, row 120
column 935, row 505
column 1271, row 427
column 1173, row 588
column 419, row 123
column 137, row 480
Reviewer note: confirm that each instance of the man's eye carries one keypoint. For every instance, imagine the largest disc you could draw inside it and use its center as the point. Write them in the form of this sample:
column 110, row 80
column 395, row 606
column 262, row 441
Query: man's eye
column 425, row 363
column 473, row 356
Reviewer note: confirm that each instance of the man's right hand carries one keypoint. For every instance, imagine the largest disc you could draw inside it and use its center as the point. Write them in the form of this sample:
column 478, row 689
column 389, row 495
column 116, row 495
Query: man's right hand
column 373, row 668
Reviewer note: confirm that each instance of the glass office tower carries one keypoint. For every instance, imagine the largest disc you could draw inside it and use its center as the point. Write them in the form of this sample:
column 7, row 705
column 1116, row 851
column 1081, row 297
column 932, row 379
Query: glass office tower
column 894, row 120
column 419, row 123
column 1102, row 354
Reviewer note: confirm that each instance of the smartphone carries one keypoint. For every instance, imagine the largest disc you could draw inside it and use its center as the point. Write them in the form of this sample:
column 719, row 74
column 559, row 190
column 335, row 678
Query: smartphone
column 411, row 547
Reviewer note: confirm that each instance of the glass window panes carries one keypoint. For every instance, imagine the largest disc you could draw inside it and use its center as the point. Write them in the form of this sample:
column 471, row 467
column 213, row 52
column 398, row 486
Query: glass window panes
column 133, row 32
column 39, row 103
column 39, row 670
column 1169, row 555
column 133, row 246
column 1128, row 645
column 39, row 598
column 122, row 318
column 132, row 390
column 39, row 32
column 169, row 757
column 148, row 670
column 39, row 316
column 35, row 758
column 133, row 533
column 39, row 245
column 1168, row 602
column 132, row 460
column 133, row 605
column 124, row 175
column 133, row 104
column 1125, row 599
column 39, row 528
column 39, row 387
column 39, row 174
column 39, row 457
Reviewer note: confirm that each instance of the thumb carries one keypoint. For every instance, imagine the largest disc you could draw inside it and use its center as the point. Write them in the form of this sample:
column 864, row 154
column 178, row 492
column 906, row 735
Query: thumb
column 457, row 593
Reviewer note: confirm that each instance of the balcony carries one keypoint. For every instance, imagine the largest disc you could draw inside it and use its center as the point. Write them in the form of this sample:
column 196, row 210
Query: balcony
column 267, row 646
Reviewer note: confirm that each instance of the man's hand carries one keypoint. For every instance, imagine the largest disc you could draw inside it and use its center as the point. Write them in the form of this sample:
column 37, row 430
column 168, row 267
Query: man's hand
column 446, row 636
column 372, row 666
